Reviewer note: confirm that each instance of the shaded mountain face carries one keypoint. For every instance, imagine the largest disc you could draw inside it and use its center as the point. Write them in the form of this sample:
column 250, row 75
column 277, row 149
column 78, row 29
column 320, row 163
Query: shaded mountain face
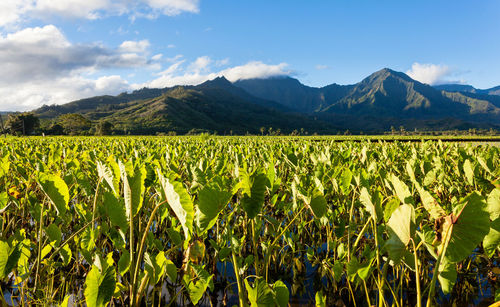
column 468, row 89
column 293, row 94
column 384, row 94
column 388, row 93
column 384, row 99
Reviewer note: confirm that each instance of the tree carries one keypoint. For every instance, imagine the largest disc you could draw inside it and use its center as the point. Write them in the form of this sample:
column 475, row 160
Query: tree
column 55, row 129
column 104, row 128
column 22, row 123
column 1, row 123
column 74, row 124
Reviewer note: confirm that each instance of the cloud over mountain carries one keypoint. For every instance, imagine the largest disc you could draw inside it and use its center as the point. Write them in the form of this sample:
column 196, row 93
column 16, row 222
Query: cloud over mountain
column 201, row 70
column 41, row 66
column 429, row 73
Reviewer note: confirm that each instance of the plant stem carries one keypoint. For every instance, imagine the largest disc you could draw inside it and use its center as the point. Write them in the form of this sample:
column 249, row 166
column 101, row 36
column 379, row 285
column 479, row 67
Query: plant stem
column 39, row 257
column 254, row 243
column 131, row 247
column 349, row 230
column 95, row 200
column 241, row 291
column 442, row 252
column 417, row 275
column 143, row 241
column 380, row 282
column 367, row 294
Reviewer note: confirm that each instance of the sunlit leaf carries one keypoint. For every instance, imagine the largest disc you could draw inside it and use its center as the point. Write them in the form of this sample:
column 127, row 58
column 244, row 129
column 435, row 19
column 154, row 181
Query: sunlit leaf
column 57, row 191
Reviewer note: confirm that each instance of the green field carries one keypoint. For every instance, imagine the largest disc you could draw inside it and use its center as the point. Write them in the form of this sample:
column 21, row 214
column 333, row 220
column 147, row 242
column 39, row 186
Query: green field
column 260, row 221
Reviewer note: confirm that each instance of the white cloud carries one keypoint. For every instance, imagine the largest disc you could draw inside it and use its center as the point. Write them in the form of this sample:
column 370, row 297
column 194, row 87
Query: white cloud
column 134, row 46
column 175, row 58
column 174, row 7
column 222, row 62
column 176, row 74
column 200, row 64
column 321, row 67
column 14, row 11
column 255, row 69
column 429, row 73
column 40, row 53
column 157, row 57
column 40, row 66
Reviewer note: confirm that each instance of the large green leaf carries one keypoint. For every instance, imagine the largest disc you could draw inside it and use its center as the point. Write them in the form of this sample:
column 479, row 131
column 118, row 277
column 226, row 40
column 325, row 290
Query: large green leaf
column 198, row 285
column 124, row 263
column 401, row 189
column 23, row 264
column 470, row 224
column 4, row 201
column 494, row 204
column 54, row 233
column 253, row 190
column 433, row 208
column 156, row 266
column 57, row 191
column 4, row 165
column 320, row 299
column 100, row 285
column 372, row 207
column 133, row 188
column 469, row 172
column 317, row 203
column 137, row 186
column 345, row 180
column 116, row 211
column 171, row 270
column 447, row 276
column 179, row 200
column 105, row 173
column 261, row 295
column 282, row 293
column 4, row 258
column 401, row 228
column 210, row 203
column 492, row 240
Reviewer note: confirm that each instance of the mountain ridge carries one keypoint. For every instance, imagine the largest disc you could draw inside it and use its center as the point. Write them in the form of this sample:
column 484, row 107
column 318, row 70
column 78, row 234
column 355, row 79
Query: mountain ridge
column 384, row 98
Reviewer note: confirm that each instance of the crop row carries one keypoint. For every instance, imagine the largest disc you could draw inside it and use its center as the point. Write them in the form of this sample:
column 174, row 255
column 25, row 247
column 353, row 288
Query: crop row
column 250, row 221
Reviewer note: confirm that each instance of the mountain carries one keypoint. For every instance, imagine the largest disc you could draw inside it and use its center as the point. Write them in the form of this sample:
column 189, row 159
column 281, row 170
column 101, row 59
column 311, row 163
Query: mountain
column 468, row 89
column 215, row 105
column 385, row 98
column 384, row 94
column 293, row 94
column 387, row 93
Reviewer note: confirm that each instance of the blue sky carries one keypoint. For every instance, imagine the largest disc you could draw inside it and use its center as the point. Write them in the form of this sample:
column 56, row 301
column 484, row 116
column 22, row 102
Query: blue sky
column 55, row 51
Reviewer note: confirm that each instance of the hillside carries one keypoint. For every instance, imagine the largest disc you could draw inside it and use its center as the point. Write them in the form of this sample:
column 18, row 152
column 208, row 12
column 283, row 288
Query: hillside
column 386, row 95
column 215, row 106
column 468, row 89
column 384, row 99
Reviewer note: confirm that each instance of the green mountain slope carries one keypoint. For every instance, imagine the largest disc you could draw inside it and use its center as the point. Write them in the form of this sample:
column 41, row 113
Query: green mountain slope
column 386, row 94
column 215, row 105
column 384, row 99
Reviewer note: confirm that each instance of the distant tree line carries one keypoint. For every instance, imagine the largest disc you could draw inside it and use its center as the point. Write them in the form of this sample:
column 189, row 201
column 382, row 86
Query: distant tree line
column 28, row 123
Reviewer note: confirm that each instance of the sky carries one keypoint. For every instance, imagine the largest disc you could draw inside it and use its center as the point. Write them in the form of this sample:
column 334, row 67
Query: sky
column 56, row 51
